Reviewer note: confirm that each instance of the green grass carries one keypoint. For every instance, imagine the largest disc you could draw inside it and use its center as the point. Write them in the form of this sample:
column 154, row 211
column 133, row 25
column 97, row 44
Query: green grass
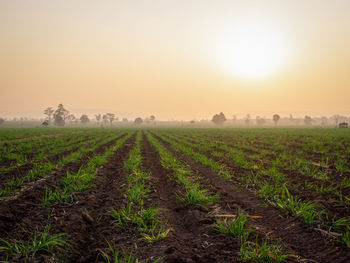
column 264, row 253
column 236, row 227
column 40, row 243
column 194, row 195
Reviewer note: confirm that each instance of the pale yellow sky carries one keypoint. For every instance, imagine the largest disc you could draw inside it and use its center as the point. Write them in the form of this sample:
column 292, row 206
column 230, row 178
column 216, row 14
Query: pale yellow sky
column 160, row 57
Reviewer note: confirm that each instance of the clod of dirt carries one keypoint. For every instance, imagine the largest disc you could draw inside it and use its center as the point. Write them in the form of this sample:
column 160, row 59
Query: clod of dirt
column 86, row 216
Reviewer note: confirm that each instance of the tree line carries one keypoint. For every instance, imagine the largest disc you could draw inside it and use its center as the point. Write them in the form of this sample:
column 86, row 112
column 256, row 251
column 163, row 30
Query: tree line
column 220, row 119
column 60, row 116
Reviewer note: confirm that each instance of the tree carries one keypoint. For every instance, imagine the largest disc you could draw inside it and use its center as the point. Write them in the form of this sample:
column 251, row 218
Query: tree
column 219, row 119
column 152, row 118
column 324, row 121
column 336, row 118
column 276, row 118
column 45, row 123
column 2, row 121
column 110, row 117
column 84, row 119
column 71, row 118
column 307, row 120
column 105, row 119
column 98, row 118
column 138, row 121
column 247, row 119
column 60, row 115
column 125, row 120
column 234, row 119
column 49, row 112
column 260, row 121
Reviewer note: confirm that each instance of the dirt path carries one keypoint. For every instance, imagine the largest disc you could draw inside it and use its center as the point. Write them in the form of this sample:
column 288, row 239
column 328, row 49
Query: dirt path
column 192, row 238
column 296, row 236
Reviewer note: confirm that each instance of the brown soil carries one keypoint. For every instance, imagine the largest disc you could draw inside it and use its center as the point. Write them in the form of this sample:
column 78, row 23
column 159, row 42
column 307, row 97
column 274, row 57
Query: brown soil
column 297, row 238
column 71, row 167
column 85, row 237
column 328, row 201
column 192, row 238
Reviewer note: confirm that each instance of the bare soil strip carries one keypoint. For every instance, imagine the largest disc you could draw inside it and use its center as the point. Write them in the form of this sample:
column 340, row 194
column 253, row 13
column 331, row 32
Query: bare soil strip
column 296, row 237
column 192, row 238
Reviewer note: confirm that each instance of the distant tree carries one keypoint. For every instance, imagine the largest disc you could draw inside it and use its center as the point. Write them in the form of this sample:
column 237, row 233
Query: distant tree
column 247, row 119
column 192, row 121
column 307, row 120
column 276, row 118
column 219, row 119
column 150, row 119
column 138, row 121
column 336, row 118
column 98, row 118
column 105, row 119
column 110, row 117
column 125, row 120
column 324, row 121
column 260, row 121
column 2, row 121
column 49, row 112
column 60, row 115
column 71, row 118
column 84, row 119
column 59, row 121
column 45, row 123
column 234, row 119
column 291, row 119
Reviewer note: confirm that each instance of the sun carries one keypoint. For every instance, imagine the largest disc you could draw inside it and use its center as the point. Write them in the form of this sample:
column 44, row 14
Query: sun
column 251, row 50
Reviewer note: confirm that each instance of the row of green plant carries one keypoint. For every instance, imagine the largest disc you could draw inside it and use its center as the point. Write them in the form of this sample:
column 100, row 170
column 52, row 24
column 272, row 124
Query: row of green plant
column 276, row 193
column 25, row 133
column 40, row 170
column 39, row 244
column 237, row 227
column 251, row 250
column 194, row 193
column 277, row 167
column 83, row 179
column 14, row 156
column 290, row 147
column 138, row 216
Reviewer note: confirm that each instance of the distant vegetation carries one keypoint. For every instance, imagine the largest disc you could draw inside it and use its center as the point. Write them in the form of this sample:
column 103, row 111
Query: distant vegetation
column 61, row 116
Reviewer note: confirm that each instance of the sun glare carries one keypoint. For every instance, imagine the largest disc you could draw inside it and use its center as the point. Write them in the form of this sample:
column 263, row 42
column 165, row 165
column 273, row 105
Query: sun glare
column 252, row 50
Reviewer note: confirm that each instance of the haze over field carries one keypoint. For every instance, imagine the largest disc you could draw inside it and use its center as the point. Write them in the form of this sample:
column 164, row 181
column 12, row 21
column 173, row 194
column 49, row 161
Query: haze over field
column 176, row 59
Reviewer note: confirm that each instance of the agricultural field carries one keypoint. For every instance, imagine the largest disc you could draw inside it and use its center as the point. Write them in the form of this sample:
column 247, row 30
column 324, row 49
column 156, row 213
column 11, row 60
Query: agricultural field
column 175, row 195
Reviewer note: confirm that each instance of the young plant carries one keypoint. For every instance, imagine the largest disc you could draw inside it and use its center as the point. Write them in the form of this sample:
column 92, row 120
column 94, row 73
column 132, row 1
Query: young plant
column 116, row 257
column 156, row 233
column 41, row 243
column 195, row 195
column 264, row 253
column 236, row 227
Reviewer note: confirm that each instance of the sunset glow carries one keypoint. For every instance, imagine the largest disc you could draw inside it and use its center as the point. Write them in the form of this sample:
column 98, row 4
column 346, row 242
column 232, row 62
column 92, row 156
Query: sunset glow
column 252, row 50
column 175, row 59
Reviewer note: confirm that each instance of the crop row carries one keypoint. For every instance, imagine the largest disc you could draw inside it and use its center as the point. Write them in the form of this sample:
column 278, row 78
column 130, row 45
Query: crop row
column 251, row 248
column 272, row 186
column 14, row 184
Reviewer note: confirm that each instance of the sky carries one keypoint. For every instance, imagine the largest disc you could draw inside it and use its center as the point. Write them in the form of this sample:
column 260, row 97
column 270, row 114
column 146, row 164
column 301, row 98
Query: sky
column 180, row 59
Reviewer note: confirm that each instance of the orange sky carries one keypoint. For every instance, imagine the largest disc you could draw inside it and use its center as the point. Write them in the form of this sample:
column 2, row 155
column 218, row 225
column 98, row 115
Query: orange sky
column 158, row 57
